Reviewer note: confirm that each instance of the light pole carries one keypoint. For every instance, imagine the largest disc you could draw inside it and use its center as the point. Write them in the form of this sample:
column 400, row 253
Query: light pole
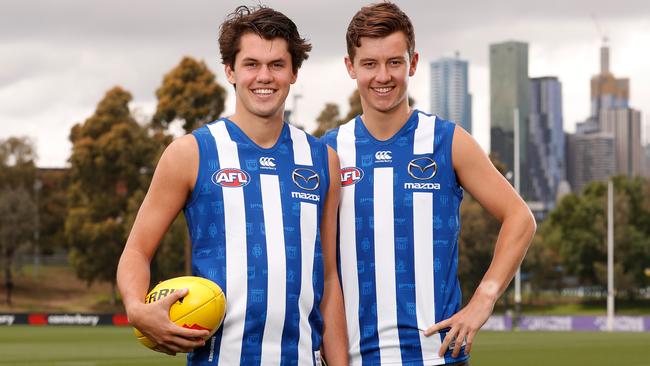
column 610, row 255
column 517, row 169
column 38, row 185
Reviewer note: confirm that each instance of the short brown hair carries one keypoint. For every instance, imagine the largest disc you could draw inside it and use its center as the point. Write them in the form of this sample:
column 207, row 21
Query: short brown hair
column 268, row 24
column 378, row 21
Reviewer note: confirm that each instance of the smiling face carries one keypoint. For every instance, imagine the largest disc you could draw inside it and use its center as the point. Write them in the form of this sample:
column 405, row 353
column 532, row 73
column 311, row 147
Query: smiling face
column 262, row 74
column 382, row 68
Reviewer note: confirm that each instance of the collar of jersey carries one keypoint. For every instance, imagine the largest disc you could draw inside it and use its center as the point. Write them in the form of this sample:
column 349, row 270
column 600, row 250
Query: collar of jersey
column 363, row 131
column 234, row 129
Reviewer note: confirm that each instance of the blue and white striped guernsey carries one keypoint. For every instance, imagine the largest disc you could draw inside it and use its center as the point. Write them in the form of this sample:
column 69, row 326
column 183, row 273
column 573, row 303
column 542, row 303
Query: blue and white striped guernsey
column 398, row 239
column 254, row 220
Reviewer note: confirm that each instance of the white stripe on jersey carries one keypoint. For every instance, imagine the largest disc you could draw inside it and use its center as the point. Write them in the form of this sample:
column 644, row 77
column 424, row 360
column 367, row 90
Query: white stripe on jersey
column 308, row 217
column 385, row 266
column 301, row 150
column 424, row 133
column 236, row 257
column 345, row 142
column 277, row 270
column 424, row 288
column 424, row 247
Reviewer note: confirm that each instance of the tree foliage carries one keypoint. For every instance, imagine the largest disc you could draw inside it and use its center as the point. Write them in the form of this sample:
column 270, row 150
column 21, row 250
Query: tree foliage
column 111, row 163
column 17, row 206
column 189, row 92
column 576, row 232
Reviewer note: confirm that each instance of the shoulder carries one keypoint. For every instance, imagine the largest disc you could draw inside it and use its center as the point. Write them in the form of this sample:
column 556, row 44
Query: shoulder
column 345, row 130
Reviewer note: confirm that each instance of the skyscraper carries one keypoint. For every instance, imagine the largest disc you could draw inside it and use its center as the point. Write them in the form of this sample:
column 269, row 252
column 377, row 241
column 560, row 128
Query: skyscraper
column 590, row 158
column 450, row 98
column 509, row 92
column 610, row 107
column 545, row 149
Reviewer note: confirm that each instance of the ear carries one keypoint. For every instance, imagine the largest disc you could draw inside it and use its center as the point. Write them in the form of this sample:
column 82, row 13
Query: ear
column 414, row 63
column 349, row 64
column 294, row 76
column 230, row 74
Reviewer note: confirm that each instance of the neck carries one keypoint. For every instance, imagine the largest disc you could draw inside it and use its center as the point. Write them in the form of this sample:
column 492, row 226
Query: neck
column 384, row 125
column 264, row 131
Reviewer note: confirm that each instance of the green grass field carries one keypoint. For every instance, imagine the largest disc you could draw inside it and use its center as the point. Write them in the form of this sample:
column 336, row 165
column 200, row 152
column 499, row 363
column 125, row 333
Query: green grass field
column 103, row 346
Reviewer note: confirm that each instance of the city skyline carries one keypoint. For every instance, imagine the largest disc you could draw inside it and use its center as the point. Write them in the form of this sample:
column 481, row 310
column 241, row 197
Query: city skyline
column 61, row 57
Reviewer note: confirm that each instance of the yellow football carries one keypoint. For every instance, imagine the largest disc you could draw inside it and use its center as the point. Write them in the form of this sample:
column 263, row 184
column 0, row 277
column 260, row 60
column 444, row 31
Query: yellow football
column 203, row 307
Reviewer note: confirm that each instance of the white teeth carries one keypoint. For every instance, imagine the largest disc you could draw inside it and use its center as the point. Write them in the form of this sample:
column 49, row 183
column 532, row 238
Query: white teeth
column 383, row 90
column 263, row 91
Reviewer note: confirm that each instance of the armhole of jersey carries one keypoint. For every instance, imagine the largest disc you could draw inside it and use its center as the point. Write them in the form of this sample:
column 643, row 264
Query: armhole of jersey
column 326, row 166
column 200, row 143
column 457, row 187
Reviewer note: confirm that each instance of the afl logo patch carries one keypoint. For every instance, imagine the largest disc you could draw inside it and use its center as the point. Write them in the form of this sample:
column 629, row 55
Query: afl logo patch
column 350, row 175
column 306, row 179
column 231, row 177
column 423, row 168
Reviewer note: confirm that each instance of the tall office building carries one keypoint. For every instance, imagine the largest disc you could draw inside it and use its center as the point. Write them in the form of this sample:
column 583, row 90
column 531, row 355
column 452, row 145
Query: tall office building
column 625, row 125
column 450, row 98
column 590, row 158
column 509, row 92
column 608, row 92
column 610, row 107
column 545, row 149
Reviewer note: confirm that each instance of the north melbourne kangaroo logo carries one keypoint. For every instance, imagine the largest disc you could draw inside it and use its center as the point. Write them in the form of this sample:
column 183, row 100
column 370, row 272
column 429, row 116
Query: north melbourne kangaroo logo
column 423, row 168
column 383, row 156
column 266, row 162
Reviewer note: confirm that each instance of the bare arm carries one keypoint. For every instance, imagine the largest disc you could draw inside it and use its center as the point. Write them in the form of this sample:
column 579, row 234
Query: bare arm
column 170, row 186
column 335, row 339
column 480, row 178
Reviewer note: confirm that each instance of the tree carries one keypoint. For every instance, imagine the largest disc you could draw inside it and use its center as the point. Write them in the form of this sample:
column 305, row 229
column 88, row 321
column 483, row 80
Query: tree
column 190, row 93
column 17, row 213
column 17, row 158
column 327, row 119
column 17, row 207
column 576, row 231
column 112, row 162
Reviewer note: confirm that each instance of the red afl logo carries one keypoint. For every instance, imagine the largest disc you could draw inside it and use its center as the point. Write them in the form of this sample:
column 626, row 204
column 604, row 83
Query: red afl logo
column 230, row 177
column 350, row 176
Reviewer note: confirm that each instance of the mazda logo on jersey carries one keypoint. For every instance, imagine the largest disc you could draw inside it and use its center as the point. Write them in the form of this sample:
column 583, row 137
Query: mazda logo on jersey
column 422, row 168
column 350, row 176
column 231, row 177
column 306, row 179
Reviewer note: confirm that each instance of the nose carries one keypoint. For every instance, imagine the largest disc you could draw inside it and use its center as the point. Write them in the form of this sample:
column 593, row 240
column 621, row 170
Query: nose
column 383, row 76
column 264, row 74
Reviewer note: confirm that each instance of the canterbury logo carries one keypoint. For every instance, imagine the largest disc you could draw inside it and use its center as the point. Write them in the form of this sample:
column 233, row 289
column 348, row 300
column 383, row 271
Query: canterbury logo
column 267, row 162
column 383, row 155
column 422, row 168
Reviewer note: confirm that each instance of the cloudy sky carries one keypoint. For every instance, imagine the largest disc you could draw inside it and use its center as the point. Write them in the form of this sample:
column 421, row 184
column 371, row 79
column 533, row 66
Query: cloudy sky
column 58, row 58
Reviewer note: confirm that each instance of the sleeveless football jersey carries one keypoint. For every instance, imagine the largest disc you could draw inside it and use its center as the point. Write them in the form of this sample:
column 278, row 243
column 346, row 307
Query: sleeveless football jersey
column 254, row 220
column 398, row 239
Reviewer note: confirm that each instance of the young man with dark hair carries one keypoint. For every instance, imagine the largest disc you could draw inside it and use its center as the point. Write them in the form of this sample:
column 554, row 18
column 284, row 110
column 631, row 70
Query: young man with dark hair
column 260, row 199
column 403, row 175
